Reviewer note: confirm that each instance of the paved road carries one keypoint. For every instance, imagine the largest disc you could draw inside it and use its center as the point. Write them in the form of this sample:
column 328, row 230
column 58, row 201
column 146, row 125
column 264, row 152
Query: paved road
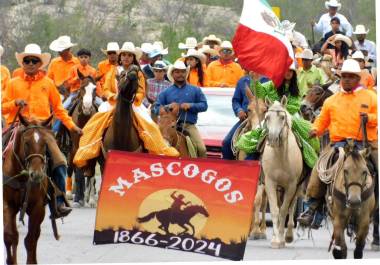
column 77, row 233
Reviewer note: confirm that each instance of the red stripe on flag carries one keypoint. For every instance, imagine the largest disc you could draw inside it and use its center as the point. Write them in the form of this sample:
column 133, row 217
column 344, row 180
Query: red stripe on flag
column 261, row 53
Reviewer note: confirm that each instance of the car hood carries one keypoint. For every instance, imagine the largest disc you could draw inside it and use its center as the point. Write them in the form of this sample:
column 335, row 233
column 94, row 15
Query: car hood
column 213, row 136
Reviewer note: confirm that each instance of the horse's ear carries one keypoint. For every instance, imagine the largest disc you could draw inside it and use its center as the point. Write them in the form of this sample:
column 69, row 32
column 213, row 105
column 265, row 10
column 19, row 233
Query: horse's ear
column 284, row 101
column 327, row 85
column 23, row 120
column 268, row 102
column 80, row 75
column 366, row 152
column 249, row 93
column 46, row 122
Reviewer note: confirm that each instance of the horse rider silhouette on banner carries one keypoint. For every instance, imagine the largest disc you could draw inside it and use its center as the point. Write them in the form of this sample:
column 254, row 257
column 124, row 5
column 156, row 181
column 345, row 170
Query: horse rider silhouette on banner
column 178, row 202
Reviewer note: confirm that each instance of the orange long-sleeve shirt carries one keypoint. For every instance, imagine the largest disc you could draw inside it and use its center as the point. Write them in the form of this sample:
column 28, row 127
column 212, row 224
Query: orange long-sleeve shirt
column 340, row 114
column 103, row 68
column 73, row 79
column 110, row 89
column 40, row 94
column 193, row 78
column 367, row 80
column 19, row 72
column 59, row 69
column 219, row 73
column 5, row 78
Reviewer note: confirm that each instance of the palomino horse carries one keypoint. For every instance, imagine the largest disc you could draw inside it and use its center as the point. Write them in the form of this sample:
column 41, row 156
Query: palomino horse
column 168, row 126
column 83, row 109
column 167, row 217
column 25, row 186
column 353, row 201
column 282, row 165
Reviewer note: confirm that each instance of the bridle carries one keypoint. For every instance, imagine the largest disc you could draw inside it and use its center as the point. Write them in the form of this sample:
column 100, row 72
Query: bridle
column 285, row 124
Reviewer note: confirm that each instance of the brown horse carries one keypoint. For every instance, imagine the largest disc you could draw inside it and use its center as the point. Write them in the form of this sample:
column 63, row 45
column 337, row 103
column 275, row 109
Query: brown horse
column 168, row 127
column 25, row 186
column 353, row 201
column 314, row 100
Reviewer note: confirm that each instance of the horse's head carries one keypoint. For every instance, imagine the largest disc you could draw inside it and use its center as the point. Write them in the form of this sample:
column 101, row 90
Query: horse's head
column 168, row 123
column 277, row 121
column 195, row 209
column 128, row 83
column 33, row 138
column 87, row 92
column 314, row 100
column 254, row 106
column 355, row 174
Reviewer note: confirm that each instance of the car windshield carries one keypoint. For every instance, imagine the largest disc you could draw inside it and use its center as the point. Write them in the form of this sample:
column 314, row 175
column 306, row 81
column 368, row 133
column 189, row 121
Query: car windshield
column 219, row 112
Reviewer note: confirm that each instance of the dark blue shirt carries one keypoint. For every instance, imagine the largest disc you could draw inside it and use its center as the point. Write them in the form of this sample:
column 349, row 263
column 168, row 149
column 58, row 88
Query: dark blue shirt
column 240, row 100
column 186, row 94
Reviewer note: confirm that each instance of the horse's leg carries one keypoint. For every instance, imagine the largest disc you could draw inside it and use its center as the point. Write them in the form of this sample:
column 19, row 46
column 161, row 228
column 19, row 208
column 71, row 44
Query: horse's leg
column 92, row 191
column 289, row 195
column 339, row 223
column 36, row 217
column 289, row 231
column 80, row 185
column 263, row 209
column 362, row 232
column 186, row 229
column 192, row 227
column 10, row 233
column 256, row 233
column 271, row 191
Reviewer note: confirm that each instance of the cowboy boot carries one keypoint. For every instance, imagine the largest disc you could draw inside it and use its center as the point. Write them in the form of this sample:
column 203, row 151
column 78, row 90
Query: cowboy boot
column 307, row 216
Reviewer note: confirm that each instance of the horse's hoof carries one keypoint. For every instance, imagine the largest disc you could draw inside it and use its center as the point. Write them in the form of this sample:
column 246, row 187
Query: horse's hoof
column 375, row 247
column 92, row 204
column 257, row 236
column 69, row 195
column 76, row 205
column 289, row 239
column 277, row 245
column 338, row 254
column 358, row 254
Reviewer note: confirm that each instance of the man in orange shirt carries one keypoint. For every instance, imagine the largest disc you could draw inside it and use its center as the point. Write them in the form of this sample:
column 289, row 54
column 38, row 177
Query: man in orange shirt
column 59, row 67
column 37, row 96
column 224, row 72
column 106, row 65
column 366, row 78
column 341, row 114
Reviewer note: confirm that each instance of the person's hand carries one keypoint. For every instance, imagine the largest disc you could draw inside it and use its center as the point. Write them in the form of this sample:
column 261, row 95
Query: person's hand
column 20, row 103
column 313, row 133
column 185, row 106
column 77, row 130
column 242, row 115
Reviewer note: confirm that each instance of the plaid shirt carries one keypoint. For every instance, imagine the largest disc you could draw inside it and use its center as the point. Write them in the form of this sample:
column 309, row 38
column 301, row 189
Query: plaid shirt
column 155, row 87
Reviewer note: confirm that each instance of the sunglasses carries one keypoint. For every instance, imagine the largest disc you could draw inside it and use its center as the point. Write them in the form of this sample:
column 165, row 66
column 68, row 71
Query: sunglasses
column 33, row 60
column 110, row 53
column 226, row 51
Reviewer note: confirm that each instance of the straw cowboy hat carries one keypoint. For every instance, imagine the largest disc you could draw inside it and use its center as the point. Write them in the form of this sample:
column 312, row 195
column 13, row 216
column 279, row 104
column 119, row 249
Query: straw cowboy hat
column 351, row 66
column 206, row 49
column 1, row 50
column 62, row 43
column 212, row 37
column 177, row 65
column 157, row 49
column 306, row 54
column 146, row 47
column 360, row 30
column 196, row 54
column 358, row 55
column 226, row 45
column 190, row 43
column 287, row 25
column 343, row 38
column 35, row 51
column 333, row 3
column 160, row 65
column 111, row 47
column 160, row 45
column 130, row 47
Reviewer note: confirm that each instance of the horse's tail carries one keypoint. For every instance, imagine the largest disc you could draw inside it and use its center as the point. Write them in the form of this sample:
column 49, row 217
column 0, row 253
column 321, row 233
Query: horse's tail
column 146, row 218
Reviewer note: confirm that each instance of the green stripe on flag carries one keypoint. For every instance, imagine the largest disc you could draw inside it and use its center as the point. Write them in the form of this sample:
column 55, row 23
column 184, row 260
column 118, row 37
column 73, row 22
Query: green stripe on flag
column 264, row 2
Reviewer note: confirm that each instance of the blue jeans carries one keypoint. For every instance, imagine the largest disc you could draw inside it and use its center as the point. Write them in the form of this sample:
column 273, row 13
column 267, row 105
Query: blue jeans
column 226, row 145
column 59, row 178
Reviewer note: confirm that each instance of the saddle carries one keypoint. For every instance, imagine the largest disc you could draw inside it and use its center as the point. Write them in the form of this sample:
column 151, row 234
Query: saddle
column 191, row 147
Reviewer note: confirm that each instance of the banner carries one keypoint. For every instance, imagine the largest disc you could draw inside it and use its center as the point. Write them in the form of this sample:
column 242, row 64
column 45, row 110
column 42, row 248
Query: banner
column 196, row 205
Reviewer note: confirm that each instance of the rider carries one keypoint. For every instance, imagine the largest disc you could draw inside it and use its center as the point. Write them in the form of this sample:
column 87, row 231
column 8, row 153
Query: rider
column 36, row 94
column 341, row 115
column 106, row 65
column 188, row 99
column 178, row 202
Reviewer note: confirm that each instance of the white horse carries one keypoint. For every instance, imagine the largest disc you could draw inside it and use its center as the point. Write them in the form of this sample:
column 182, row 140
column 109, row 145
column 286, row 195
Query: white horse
column 282, row 165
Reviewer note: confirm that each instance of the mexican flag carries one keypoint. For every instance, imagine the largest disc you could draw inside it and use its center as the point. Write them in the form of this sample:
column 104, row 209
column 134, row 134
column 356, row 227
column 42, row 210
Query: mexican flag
column 260, row 42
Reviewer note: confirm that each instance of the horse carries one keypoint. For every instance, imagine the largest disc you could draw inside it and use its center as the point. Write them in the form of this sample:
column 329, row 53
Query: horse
column 171, row 133
column 166, row 217
column 25, row 186
column 282, row 165
column 82, row 110
column 313, row 101
column 353, row 201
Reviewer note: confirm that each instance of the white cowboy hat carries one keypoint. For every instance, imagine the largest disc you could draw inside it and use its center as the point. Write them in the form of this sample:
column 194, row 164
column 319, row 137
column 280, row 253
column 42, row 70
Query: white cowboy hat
column 360, row 29
column 306, row 54
column 190, row 43
column 358, row 55
column 212, row 37
column 1, row 50
column 226, row 45
column 207, row 49
column 333, row 3
column 343, row 38
column 130, row 47
column 62, row 43
column 146, row 47
column 177, row 65
column 287, row 25
column 160, row 65
column 111, row 47
column 35, row 51
column 160, row 45
column 196, row 54
column 351, row 66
